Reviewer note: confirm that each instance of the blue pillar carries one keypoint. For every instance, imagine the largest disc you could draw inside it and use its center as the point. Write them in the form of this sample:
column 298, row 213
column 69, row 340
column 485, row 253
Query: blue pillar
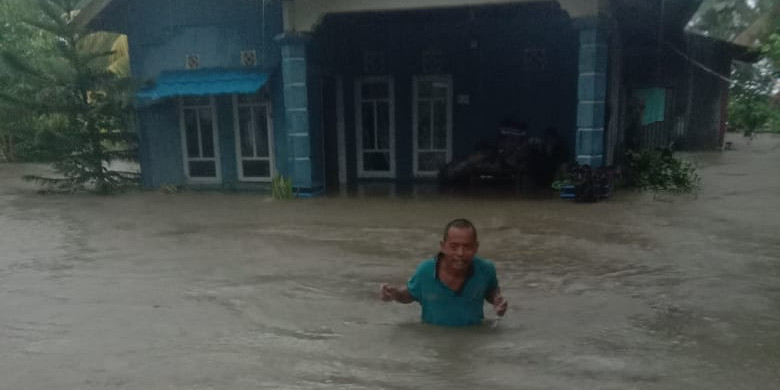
column 591, row 93
column 296, row 110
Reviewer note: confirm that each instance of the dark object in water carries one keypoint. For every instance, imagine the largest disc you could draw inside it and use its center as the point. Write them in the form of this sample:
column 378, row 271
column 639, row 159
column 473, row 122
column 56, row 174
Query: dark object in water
column 589, row 185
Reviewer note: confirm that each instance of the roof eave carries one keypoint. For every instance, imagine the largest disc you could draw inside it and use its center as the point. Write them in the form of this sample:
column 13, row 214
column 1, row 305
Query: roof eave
column 90, row 12
column 749, row 37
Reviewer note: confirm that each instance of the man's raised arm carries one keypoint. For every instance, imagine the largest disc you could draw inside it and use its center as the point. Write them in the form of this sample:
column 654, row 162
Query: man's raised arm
column 398, row 294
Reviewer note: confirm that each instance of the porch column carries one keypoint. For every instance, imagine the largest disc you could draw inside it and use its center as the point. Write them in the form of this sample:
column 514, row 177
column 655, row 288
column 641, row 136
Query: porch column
column 296, row 110
column 591, row 93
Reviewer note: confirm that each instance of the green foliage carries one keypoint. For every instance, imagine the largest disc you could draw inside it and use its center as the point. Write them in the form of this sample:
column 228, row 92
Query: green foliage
column 752, row 115
column 658, row 170
column 557, row 185
column 773, row 124
column 17, row 127
column 170, row 189
column 726, row 19
column 771, row 47
column 282, row 188
column 771, row 50
column 74, row 101
column 752, row 106
column 750, row 101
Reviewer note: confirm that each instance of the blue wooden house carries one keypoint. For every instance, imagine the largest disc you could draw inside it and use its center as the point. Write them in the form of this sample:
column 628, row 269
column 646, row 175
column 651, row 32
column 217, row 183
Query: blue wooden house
column 331, row 92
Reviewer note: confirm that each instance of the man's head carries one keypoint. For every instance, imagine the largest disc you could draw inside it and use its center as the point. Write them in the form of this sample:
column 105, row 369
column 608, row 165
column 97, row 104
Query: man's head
column 459, row 244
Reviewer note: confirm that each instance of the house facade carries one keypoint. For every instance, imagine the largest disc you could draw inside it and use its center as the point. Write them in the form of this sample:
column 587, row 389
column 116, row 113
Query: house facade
column 332, row 92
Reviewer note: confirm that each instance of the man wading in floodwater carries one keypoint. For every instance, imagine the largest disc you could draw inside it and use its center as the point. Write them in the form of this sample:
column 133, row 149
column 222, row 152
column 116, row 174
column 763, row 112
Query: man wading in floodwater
column 451, row 287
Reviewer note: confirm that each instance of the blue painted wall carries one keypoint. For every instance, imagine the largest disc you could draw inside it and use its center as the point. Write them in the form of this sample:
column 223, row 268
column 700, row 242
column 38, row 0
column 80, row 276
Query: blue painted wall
column 277, row 115
column 227, row 141
column 161, row 149
column 493, row 73
column 161, row 33
column 316, row 131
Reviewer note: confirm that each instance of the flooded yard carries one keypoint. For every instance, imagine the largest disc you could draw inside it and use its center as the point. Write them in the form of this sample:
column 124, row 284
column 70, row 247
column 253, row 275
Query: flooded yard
column 199, row 290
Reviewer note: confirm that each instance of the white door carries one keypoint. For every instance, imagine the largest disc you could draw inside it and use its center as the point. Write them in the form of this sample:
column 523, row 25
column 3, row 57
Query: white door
column 432, row 124
column 375, row 127
column 254, row 138
column 200, row 144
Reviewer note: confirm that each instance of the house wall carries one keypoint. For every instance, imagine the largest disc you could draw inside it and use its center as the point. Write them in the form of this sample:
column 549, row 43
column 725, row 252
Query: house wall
column 483, row 50
column 279, row 124
column 695, row 96
column 614, row 137
column 166, row 31
column 161, row 33
column 161, row 149
column 708, row 92
column 162, row 155
column 316, row 128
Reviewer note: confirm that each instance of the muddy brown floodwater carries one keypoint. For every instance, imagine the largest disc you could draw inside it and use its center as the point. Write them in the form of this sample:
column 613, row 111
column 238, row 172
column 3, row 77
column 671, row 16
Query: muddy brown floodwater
column 201, row 290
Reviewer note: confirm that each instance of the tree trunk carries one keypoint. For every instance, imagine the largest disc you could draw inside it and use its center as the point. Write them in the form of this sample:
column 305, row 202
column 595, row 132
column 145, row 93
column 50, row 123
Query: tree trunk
column 101, row 184
column 7, row 148
column 10, row 152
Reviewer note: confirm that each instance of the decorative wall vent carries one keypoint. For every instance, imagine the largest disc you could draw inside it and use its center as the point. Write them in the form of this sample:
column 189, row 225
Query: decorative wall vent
column 192, row 61
column 249, row 58
column 374, row 62
column 432, row 61
column 535, row 59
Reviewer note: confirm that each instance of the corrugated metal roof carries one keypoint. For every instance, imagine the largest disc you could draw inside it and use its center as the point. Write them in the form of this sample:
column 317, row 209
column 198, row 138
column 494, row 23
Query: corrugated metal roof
column 203, row 82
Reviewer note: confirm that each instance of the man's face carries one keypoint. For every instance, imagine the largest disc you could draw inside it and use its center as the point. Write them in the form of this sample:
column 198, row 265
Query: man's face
column 459, row 248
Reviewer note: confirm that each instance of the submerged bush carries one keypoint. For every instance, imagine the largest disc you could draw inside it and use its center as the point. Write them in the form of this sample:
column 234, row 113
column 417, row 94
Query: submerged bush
column 282, row 188
column 658, row 170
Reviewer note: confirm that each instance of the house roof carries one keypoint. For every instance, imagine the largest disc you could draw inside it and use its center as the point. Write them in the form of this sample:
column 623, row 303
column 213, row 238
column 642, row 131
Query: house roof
column 751, row 35
column 749, row 28
column 89, row 10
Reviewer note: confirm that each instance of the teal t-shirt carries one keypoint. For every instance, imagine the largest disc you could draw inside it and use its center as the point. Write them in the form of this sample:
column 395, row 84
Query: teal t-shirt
column 441, row 305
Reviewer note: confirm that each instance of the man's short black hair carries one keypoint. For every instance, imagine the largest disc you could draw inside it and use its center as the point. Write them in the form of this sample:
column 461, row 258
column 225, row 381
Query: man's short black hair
column 460, row 223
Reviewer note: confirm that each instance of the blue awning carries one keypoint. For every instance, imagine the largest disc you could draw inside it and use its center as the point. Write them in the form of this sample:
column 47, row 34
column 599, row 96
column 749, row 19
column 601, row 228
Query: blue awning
column 203, row 82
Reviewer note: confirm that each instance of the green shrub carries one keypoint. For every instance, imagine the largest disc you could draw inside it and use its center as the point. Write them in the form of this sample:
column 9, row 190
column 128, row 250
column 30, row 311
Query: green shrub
column 658, row 170
column 281, row 188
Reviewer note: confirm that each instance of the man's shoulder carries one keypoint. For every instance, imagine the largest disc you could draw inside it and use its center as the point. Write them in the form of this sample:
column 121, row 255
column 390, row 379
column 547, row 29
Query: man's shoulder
column 426, row 267
column 427, row 264
column 484, row 264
